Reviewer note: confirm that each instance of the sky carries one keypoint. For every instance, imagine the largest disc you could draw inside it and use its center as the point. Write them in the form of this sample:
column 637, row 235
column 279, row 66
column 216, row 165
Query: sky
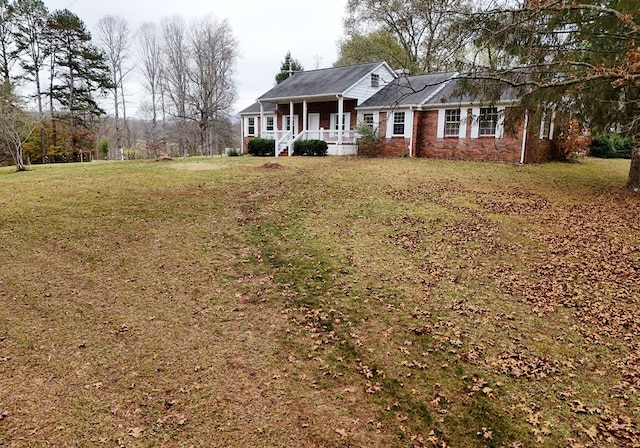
column 265, row 31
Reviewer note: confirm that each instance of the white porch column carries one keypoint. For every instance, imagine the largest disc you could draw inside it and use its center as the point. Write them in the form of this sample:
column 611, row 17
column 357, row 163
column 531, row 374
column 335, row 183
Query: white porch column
column 261, row 127
column 304, row 115
column 291, row 126
column 340, row 118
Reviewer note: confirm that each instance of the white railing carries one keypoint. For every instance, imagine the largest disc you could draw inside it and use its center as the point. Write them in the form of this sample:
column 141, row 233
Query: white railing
column 285, row 139
column 283, row 142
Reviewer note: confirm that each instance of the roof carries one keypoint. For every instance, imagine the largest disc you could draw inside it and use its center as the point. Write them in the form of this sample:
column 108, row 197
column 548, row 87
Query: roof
column 462, row 91
column 435, row 89
column 255, row 109
column 317, row 83
column 408, row 90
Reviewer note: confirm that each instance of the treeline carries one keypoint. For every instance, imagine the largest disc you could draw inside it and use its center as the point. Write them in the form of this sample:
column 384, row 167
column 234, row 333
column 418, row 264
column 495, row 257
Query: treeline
column 55, row 78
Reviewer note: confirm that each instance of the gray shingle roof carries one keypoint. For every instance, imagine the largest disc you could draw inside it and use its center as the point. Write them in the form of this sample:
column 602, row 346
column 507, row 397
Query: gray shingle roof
column 255, row 108
column 408, row 91
column 437, row 88
column 465, row 91
column 314, row 83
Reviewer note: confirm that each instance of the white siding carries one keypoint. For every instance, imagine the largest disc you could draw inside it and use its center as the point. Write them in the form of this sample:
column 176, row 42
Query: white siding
column 363, row 90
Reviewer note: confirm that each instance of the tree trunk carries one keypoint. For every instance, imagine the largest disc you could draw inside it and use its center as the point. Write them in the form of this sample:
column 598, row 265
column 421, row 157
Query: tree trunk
column 634, row 172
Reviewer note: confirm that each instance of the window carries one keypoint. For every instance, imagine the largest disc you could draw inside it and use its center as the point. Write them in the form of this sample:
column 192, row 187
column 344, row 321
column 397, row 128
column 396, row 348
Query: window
column 452, row 122
column 287, row 122
column 336, row 122
column 368, row 120
column 398, row 123
column 269, row 123
column 375, row 80
column 488, row 120
column 251, row 126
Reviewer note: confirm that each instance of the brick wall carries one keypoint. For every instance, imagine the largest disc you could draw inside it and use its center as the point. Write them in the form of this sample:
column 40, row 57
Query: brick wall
column 506, row 149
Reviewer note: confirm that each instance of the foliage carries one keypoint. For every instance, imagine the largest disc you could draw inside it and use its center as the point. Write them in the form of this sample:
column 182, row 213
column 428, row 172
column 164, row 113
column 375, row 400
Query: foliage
column 288, row 67
column 574, row 143
column 582, row 57
column 369, row 142
column 374, row 46
column 420, row 35
column 233, row 152
column 611, row 146
column 261, row 147
column 310, row 148
column 103, row 147
column 16, row 126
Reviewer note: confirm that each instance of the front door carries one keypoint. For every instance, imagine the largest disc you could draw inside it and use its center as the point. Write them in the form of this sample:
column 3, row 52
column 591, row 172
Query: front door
column 314, row 126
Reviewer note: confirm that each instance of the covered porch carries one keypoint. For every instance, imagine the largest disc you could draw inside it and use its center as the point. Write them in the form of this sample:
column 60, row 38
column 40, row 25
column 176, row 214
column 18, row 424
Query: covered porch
column 330, row 119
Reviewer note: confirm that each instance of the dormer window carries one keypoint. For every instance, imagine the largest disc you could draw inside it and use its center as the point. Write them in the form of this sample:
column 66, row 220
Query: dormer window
column 375, row 80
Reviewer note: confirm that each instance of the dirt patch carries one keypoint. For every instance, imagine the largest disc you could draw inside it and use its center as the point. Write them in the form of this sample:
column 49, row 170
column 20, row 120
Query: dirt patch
column 271, row 166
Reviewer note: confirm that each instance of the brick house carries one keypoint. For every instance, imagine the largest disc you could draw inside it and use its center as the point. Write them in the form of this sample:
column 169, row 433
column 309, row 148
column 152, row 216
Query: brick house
column 417, row 116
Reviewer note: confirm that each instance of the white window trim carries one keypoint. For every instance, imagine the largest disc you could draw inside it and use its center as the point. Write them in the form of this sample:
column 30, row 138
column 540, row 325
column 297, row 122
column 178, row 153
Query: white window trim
column 347, row 121
column 295, row 123
column 462, row 132
column 408, row 123
column 266, row 123
column 376, row 118
column 475, row 123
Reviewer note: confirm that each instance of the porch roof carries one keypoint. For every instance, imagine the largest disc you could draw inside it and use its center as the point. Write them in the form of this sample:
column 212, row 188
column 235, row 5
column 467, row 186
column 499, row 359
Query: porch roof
column 254, row 109
column 319, row 84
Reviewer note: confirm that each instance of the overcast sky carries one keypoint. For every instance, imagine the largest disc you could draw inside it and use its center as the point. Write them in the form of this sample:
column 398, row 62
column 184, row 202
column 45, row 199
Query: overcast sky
column 265, row 31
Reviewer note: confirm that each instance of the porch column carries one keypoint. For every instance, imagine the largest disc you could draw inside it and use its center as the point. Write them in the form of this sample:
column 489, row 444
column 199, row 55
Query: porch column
column 261, row 127
column 304, row 115
column 340, row 118
column 291, row 125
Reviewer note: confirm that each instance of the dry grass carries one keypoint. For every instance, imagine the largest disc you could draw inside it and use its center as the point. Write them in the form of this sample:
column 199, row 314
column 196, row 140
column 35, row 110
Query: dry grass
column 334, row 302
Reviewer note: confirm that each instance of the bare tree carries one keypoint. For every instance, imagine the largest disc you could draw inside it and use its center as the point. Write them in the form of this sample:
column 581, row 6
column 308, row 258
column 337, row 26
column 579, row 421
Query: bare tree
column 16, row 127
column 114, row 38
column 176, row 74
column 150, row 59
column 213, row 49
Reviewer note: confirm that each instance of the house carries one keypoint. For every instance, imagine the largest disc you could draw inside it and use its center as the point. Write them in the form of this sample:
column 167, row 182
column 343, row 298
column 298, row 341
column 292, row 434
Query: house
column 418, row 116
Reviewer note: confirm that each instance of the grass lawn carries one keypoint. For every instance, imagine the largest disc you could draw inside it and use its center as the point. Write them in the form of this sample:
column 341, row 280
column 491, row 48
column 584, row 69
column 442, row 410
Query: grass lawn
column 319, row 302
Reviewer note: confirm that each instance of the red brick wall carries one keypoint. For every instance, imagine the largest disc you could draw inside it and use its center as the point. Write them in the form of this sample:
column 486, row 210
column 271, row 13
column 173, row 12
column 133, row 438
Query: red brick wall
column 506, row 149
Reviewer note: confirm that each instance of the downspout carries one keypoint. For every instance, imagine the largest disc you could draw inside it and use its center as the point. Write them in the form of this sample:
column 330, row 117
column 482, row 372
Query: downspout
column 413, row 127
column 524, row 137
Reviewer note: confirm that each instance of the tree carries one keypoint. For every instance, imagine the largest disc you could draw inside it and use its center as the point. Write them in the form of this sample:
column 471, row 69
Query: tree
column 30, row 36
column 581, row 58
column 81, row 72
column 16, row 126
column 375, row 46
column 176, row 74
column 213, row 91
column 424, row 29
column 7, row 50
column 114, row 40
column 288, row 67
column 150, row 59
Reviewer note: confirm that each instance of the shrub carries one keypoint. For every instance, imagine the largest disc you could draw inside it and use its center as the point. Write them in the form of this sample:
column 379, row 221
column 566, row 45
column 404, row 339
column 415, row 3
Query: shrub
column 574, row 143
column 233, row 152
column 310, row 148
column 609, row 146
column 262, row 147
column 602, row 146
column 369, row 143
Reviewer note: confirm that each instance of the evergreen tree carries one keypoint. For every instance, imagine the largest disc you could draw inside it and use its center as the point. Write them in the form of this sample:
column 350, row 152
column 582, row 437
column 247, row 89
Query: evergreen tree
column 288, row 67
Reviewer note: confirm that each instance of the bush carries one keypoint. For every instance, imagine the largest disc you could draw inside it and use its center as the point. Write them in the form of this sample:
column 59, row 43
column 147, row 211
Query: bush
column 610, row 146
column 602, row 146
column 310, row 148
column 233, row 152
column 369, row 143
column 262, row 147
